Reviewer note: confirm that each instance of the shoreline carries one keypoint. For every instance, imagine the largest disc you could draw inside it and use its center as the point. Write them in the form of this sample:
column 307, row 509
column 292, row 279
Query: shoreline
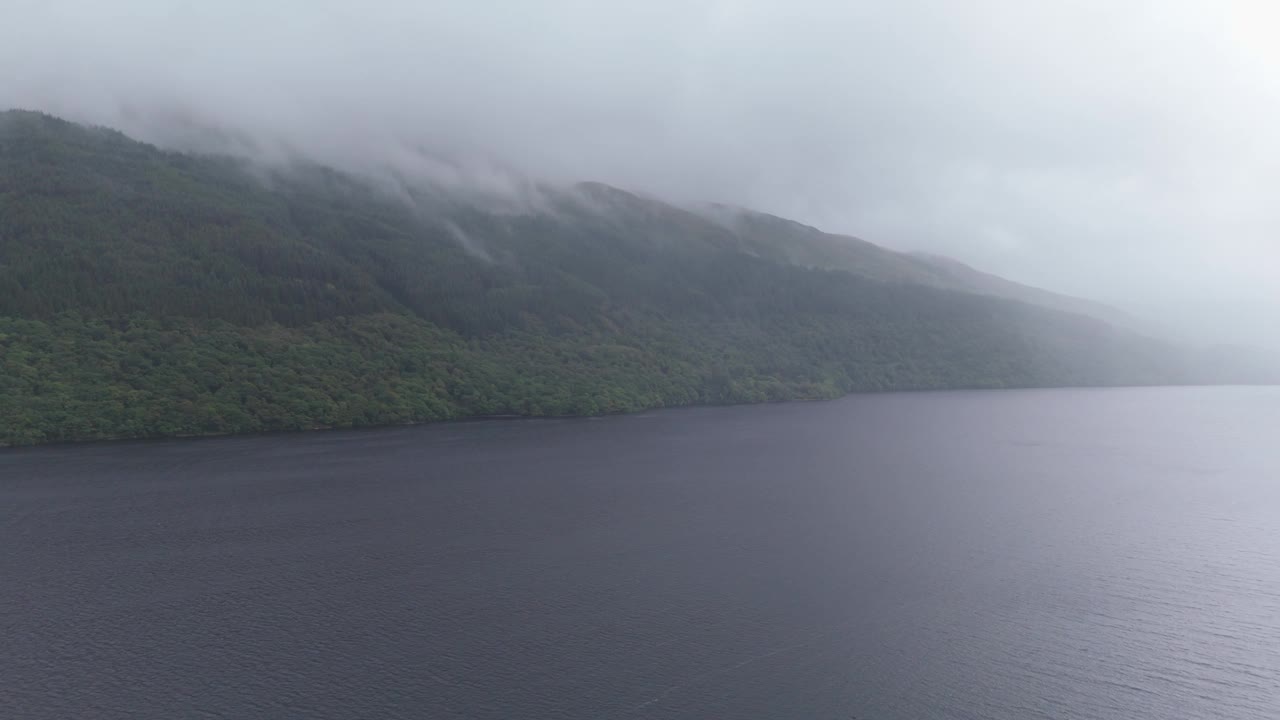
column 118, row 439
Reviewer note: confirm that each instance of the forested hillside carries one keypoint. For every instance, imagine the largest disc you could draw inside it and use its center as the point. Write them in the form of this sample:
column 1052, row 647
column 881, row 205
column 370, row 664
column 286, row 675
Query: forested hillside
column 147, row 293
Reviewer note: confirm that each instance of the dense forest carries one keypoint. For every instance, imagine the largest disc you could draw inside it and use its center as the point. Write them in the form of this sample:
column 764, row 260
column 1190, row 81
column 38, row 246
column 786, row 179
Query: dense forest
column 151, row 293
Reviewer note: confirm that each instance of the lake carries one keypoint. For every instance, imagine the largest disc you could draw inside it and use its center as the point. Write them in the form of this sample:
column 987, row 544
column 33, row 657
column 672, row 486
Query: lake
column 1016, row 555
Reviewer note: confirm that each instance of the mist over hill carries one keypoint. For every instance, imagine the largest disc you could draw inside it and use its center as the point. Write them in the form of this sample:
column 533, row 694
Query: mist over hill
column 1121, row 152
column 145, row 292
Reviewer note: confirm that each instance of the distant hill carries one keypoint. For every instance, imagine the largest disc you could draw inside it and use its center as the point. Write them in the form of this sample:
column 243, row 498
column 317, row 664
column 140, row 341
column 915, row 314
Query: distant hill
column 964, row 277
column 792, row 242
column 150, row 293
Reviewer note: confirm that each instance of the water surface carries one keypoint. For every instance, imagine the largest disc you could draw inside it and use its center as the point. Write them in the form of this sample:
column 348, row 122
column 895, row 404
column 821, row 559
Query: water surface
column 1071, row 554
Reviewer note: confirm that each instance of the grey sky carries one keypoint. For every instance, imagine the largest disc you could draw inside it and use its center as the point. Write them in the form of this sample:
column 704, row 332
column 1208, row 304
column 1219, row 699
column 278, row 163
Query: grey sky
column 1126, row 151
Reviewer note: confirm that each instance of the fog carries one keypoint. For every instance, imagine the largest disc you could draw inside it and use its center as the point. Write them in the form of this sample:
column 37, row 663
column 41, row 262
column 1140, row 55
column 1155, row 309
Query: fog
column 1123, row 151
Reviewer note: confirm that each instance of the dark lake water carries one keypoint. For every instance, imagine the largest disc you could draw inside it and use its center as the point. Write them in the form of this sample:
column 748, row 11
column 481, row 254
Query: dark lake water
column 1008, row 555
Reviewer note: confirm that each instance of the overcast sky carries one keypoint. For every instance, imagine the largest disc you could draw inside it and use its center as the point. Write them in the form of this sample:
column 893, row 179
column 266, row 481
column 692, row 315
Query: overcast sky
column 1125, row 151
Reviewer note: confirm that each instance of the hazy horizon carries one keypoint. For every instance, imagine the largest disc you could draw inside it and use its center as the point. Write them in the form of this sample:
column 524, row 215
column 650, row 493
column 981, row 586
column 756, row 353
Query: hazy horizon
column 1120, row 152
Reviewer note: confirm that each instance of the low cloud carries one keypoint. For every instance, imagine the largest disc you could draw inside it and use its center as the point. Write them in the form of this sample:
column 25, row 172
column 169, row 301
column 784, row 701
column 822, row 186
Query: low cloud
column 1126, row 151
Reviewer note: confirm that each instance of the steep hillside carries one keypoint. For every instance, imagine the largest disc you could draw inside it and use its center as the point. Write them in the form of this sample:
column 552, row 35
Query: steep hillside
column 149, row 293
